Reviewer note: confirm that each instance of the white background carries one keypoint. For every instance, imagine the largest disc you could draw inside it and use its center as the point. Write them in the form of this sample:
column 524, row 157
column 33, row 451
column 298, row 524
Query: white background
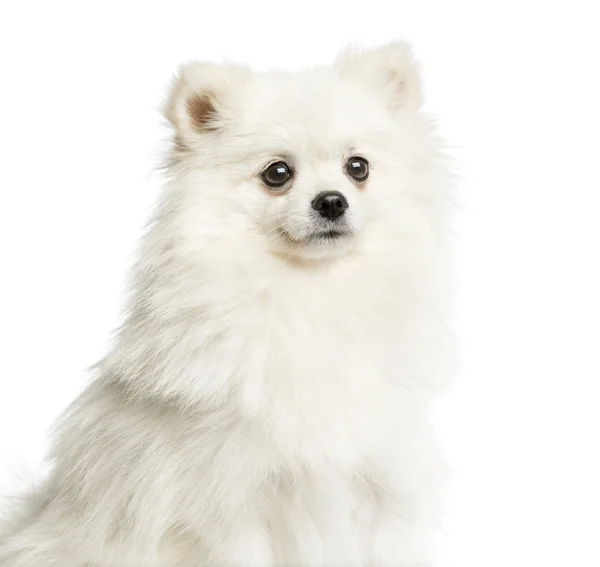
column 515, row 86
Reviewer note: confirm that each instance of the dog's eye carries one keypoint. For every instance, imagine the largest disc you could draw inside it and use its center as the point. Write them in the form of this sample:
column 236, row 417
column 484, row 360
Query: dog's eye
column 277, row 174
column 358, row 168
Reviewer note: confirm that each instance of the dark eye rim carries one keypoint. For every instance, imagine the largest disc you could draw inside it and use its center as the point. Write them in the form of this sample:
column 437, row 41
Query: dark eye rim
column 272, row 184
column 365, row 162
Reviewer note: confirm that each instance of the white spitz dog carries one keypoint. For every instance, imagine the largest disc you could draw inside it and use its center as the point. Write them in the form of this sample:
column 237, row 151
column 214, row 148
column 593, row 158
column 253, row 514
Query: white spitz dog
column 266, row 400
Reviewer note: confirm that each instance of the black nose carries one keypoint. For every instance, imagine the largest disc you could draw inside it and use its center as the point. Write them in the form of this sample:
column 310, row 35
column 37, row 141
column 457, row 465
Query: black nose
column 330, row 204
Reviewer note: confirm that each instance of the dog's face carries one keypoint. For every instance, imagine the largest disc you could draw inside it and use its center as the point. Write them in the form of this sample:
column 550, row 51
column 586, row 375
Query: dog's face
column 305, row 165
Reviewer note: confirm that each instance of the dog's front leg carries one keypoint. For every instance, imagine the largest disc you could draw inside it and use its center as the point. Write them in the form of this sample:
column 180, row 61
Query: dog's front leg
column 401, row 530
column 240, row 541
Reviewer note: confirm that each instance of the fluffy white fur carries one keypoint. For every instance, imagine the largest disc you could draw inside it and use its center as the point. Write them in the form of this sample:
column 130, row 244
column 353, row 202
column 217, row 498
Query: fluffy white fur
column 266, row 400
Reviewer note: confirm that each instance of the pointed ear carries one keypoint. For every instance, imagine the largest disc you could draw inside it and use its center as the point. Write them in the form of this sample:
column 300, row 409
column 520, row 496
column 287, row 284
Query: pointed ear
column 390, row 69
column 200, row 98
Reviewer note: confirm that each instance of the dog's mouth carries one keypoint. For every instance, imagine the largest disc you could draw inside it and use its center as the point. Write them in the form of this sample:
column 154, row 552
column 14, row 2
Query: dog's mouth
column 317, row 236
column 328, row 235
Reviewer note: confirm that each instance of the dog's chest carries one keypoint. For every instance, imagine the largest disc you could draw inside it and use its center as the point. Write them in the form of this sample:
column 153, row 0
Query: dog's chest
column 320, row 373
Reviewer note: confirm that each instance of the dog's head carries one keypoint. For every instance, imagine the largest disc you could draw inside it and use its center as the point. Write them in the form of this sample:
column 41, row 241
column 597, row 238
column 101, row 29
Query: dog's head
column 286, row 192
column 304, row 165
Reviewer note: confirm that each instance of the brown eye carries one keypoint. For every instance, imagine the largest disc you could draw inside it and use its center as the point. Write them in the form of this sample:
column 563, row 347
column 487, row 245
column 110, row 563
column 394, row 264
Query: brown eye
column 277, row 174
column 358, row 168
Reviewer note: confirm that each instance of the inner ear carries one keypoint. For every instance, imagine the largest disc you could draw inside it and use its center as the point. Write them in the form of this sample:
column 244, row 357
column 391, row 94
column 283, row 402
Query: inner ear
column 398, row 84
column 390, row 68
column 198, row 96
column 202, row 112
